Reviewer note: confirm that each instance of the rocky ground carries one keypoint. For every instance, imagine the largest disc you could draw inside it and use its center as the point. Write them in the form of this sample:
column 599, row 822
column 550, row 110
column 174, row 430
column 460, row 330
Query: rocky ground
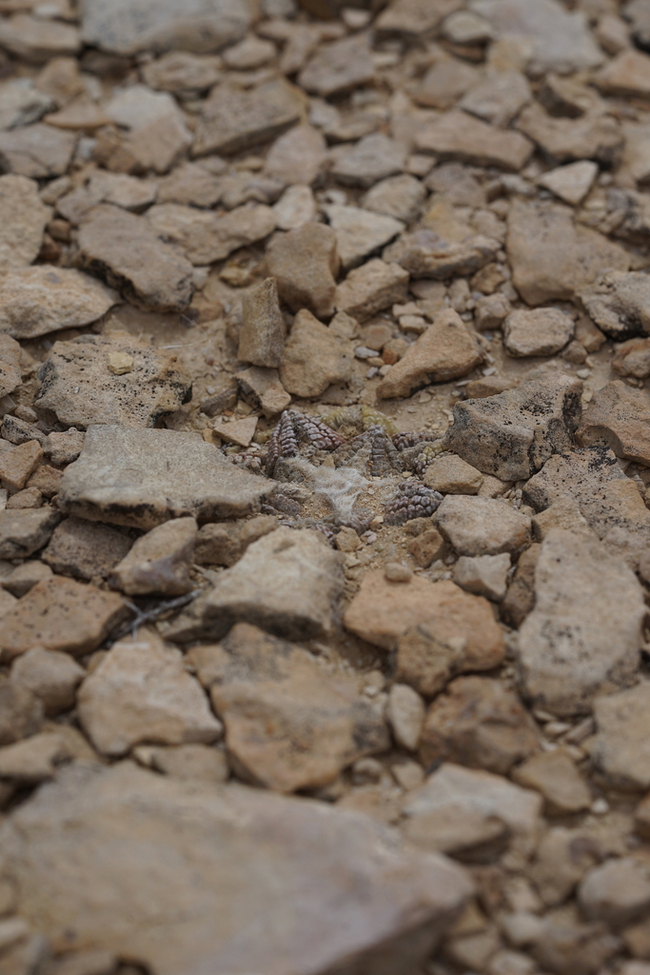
column 325, row 487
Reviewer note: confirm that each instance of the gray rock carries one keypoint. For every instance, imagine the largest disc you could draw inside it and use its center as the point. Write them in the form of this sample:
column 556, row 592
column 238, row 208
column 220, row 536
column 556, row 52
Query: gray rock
column 398, row 196
column 21, row 103
column 84, row 549
column 233, row 119
column 51, row 676
column 22, row 221
column 583, row 637
column 561, row 40
column 41, row 299
column 82, row 381
column 320, row 857
column 126, row 27
column 621, row 748
column 511, row 435
column 127, row 252
column 159, row 562
column 542, row 331
column 261, row 336
column 141, row 691
column 424, row 254
column 39, row 151
column 372, row 158
column 287, row 582
column 290, row 724
column 482, row 526
column 484, row 575
column 618, row 303
column 143, row 477
column 304, row 263
column 339, row 67
column 23, row 532
column 359, row 232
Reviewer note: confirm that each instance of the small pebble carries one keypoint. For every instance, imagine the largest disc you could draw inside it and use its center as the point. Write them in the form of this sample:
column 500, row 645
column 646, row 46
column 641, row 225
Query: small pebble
column 397, row 572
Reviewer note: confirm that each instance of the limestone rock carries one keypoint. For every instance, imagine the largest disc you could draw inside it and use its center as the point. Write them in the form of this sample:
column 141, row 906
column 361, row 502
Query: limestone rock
column 456, row 135
column 304, row 263
column 571, row 183
column 21, row 712
column 563, row 259
column 298, row 156
column 290, row 724
column 622, row 744
column 38, row 40
column 478, row 723
column 77, row 384
column 51, row 676
column 444, row 83
column 207, row 237
column 557, row 777
column 287, row 582
column 21, row 103
column 456, row 807
column 337, row 68
column 25, row 576
column 444, row 351
column 499, row 98
column 140, row 691
column 405, row 712
column 482, row 526
column 84, row 549
column 511, row 435
column 159, row 561
column 33, row 759
column 371, row 288
column 383, row 611
column 398, row 196
column 142, row 477
column 582, row 639
column 562, row 140
column 451, row 475
column 632, row 358
column 314, row 357
column 23, row 532
column 618, row 416
column 193, row 761
column 132, row 258
column 10, row 374
column 126, row 28
column 626, row 74
column 224, row 543
column 360, row 232
column 60, row 614
column 617, row 303
column 41, row 299
column 233, row 119
column 617, row 892
column 18, row 463
column 483, row 575
column 542, row 331
column 319, row 857
column 561, row 41
column 296, row 206
column 261, row 336
column 37, row 151
column 372, row 158
column 22, row 221
column 263, row 390
column 426, row 254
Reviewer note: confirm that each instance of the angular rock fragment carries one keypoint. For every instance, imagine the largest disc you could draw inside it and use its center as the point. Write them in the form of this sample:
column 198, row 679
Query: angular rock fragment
column 511, row 435
column 478, row 723
column 617, row 417
column 398, row 196
column 314, row 357
column 10, row 373
column 483, row 575
column 583, row 636
column 456, row 135
column 22, row 221
column 158, row 562
column 461, row 811
column 557, row 777
column 261, row 336
column 425, row 254
column 206, row 236
column 372, row 158
column 289, row 723
column 304, row 263
column 318, row 856
column 143, row 477
column 618, row 303
column 125, row 250
column 383, row 611
column 553, row 259
column 233, row 119
column 626, row 74
column 451, row 475
column 622, row 744
column 84, row 549
column 50, row 675
column 23, row 532
column 38, row 151
column 298, row 156
column 199, row 25
column 542, row 331
column 21, row 712
column 360, row 232
column 224, row 543
column 78, row 385
column 371, row 288
column 141, row 692
column 41, row 299
column 337, row 68
column 263, row 390
column 412, row 18
column 594, row 136
column 571, row 183
column 60, row 614
column 632, row 358
column 499, row 98
column 446, row 350
column 287, row 582
column 482, row 526
column 18, row 463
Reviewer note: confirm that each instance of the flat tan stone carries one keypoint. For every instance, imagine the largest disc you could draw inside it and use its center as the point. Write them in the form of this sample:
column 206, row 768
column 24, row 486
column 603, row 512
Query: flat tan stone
column 557, row 777
column 456, row 135
column 233, row 119
column 61, row 614
column 22, row 221
column 617, row 416
column 41, row 299
column 314, row 358
column 159, row 562
column 18, row 463
column 626, row 74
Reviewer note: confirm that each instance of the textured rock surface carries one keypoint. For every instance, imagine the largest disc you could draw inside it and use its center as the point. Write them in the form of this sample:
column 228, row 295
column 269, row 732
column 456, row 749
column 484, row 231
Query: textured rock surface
column 314, row 357
column 41, row 299
column 401, row 925
column 130, row 476
column 482, row 526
